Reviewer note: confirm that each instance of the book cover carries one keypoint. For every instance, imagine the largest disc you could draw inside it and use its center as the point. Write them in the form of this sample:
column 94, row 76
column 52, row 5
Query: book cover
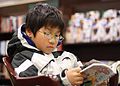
column 99, row 72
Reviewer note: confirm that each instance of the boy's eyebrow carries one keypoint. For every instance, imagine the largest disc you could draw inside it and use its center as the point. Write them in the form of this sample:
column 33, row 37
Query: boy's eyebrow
column 49, row 29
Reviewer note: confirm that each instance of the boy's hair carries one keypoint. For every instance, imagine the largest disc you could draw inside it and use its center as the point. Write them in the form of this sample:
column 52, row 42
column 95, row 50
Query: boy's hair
column 44, row 15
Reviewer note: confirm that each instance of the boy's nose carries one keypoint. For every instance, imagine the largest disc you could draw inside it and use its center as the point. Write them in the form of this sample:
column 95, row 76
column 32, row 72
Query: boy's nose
column 52, row 40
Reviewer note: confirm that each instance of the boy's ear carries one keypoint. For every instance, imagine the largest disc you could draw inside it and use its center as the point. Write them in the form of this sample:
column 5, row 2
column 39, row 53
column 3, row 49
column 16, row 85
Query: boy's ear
column 29, row 32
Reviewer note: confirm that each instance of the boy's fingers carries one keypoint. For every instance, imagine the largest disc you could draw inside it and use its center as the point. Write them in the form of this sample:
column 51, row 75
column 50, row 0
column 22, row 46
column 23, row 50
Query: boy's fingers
column 77, row 69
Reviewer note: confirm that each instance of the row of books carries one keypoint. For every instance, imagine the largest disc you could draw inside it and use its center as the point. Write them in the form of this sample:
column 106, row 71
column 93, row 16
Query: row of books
column 93, row 27
column 11, row 23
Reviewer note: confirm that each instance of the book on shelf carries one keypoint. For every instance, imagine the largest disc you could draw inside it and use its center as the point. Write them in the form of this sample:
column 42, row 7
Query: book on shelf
column 98, row 73
column 11, row 23
column 3, row 47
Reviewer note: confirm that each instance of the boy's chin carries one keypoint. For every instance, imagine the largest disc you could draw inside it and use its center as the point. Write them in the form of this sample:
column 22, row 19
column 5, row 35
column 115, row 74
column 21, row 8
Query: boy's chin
column 48, row 52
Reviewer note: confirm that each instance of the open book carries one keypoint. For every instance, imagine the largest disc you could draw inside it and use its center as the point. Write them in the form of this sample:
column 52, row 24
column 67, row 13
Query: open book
column 99, row 72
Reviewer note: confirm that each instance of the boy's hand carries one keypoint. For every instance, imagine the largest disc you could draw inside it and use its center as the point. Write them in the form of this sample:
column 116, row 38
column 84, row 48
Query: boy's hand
column 74, row 76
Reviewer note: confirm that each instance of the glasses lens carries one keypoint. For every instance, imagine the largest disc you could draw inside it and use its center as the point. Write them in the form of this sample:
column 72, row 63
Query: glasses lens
column 49, row 36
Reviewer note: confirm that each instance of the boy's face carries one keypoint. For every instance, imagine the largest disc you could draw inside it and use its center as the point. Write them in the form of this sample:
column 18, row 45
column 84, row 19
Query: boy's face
column 46, row 39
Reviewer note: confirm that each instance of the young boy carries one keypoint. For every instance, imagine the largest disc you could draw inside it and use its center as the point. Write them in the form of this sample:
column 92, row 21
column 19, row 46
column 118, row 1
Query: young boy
column 34, row 47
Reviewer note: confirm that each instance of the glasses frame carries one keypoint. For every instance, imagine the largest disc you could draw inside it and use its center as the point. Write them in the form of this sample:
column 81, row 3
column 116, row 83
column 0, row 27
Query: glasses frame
column 50, row 36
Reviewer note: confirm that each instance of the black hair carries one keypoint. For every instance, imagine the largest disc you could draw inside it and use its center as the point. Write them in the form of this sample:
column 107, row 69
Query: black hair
column 44, row 15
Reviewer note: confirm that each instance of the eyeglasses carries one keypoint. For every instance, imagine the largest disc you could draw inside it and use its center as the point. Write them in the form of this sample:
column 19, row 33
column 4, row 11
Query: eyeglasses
column 49, row 36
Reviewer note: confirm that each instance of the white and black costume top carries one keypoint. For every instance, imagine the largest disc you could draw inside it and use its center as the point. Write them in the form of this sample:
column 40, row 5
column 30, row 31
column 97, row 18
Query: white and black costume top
column 27, row 60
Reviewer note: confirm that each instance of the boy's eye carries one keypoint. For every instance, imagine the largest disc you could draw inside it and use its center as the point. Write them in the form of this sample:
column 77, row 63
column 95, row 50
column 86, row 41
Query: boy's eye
column 46, row 33
column 57, row 35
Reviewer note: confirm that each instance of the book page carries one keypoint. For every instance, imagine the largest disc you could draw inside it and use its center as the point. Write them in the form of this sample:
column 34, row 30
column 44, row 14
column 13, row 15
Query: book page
column 97, row 73
column 115, row 66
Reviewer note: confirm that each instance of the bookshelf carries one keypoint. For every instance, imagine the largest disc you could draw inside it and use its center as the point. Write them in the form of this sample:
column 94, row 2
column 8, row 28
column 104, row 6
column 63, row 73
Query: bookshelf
column 88, row 51
column 10, row 8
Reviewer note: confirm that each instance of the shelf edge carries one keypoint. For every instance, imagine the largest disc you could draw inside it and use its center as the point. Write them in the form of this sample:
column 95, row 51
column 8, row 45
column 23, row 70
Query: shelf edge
column 17, row 2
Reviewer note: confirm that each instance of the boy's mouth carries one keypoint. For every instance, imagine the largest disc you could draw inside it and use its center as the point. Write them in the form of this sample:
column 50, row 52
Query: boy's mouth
column 50, row 47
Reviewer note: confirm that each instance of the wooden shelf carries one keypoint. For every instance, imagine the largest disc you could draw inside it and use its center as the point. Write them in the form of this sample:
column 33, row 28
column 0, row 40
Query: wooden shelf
column 5, row 36
column 99, row 51
column 6, row 3
column 16, row 7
